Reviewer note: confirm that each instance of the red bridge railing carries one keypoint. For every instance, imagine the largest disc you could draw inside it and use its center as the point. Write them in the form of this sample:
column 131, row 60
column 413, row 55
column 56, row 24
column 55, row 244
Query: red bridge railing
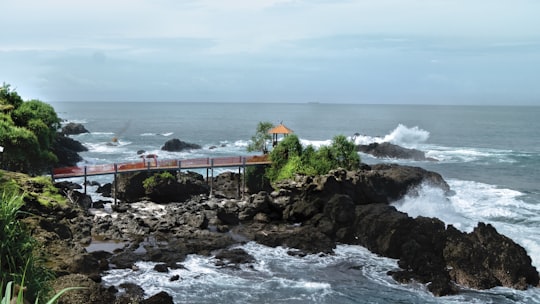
column 152, row 163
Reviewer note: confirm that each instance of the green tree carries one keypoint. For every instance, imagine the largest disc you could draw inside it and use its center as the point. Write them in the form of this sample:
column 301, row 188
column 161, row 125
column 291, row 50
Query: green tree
column 289, row 147
column 9, row 99
column 27, row 133
column 344, row 153
column 21, row 148
column 290, row 158
column 261, row 137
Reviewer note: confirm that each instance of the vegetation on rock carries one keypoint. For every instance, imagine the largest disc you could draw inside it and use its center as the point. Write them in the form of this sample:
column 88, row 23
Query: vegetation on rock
column 290, row 158
column 27, row 133
column 157, row 179
column 21, row 257
column 20, row 260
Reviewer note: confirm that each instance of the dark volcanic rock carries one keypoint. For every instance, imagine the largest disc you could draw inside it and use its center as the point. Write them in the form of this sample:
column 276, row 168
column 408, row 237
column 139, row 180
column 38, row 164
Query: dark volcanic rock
column 176, row 145
column 66, row 150
column 484, row 259
column 74, row 129
column 388, row 150
column 105, row 190
column 233, row 257
column 183, row 186
column 227, row 185
column 160, row 298
column 90, row 292
column 313, row 214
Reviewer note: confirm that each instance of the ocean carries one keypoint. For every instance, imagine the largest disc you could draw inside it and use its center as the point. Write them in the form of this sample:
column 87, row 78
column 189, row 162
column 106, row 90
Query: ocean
column 489, row 155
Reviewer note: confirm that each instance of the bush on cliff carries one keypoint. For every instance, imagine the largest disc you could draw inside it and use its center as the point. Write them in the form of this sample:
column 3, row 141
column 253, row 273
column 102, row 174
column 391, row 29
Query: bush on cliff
column 20, row 261
column 162, row 177
column 290, row 158
column 27, row 133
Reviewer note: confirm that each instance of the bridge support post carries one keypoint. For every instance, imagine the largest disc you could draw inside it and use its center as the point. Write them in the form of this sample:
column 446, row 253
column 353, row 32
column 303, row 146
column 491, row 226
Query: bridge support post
column 243, row 176
column 207, row 169
column 238, row 186
column 85, row 180
column 212, row 177
column 179, row 166
column 115, row 183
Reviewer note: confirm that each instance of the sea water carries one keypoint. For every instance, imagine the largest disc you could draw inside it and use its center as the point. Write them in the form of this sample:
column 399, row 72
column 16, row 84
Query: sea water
column 489, row 156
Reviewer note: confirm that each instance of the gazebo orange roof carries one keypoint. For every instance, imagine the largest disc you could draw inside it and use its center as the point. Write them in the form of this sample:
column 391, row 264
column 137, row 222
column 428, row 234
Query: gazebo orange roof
column 280, row 129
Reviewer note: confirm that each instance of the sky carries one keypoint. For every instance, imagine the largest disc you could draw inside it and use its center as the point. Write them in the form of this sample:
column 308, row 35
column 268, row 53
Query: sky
column 328, row 51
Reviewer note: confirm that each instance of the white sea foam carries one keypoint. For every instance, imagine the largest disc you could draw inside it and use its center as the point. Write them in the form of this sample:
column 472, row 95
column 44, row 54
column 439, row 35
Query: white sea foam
column 315, row 143
column 274, row 274
column 432, row 202
column 475, row 202
column 401, row 135
column 77, row 121
column 166, row 134
column 107, row 147
column 465, row 154
column 405, row 136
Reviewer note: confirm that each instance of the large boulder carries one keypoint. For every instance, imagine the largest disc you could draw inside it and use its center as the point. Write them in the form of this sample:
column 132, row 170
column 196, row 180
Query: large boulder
column 176, row 145
column 381, row 183
column 178, row 189
column 388, row 150
column 227, row 185
column 353, row 208
column 74, row 129
column 67, row 151
column 484, row 259
column 173, row 187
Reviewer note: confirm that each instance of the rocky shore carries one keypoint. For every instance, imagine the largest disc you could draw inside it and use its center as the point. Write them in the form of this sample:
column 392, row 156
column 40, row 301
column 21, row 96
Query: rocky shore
column 308, row 214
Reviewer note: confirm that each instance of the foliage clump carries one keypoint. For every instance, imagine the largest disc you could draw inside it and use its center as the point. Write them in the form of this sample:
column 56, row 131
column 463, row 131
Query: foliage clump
column 260, row 140
column 27, row 133
column 290, row 158
column 156, row 179
column 20, row 260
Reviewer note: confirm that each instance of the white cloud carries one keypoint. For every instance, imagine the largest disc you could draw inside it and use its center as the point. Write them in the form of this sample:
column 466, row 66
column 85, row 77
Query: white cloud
column 212, row 44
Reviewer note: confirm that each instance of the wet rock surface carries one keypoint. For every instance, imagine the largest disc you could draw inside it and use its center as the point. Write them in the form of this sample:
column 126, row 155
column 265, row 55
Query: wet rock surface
column 388, row 150
column 308, row 215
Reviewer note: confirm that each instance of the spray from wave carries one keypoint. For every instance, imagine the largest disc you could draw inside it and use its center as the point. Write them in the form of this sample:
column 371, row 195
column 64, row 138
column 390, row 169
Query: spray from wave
column 401, row 135
column 474, row 202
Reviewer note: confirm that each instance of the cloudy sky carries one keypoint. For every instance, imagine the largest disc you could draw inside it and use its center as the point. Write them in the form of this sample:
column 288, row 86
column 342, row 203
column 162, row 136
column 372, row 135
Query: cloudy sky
column 344, row 51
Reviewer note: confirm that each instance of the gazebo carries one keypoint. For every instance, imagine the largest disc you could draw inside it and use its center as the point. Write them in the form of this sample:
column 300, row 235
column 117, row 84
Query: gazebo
column 280, row 129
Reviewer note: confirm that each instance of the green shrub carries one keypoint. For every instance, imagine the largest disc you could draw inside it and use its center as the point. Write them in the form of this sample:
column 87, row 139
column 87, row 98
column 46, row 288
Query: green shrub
column 256, row 179
column 20, row 260
column 154, row 180
column 27, row 132
column 290, row 158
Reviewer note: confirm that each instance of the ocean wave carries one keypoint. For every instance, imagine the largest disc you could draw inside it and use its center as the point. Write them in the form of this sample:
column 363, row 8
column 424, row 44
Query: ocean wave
column 107, row 147
column 474, row 202
column 166, row 134
column 405, row 136
column 77, row 121
column 467, row 154
column 401, row 135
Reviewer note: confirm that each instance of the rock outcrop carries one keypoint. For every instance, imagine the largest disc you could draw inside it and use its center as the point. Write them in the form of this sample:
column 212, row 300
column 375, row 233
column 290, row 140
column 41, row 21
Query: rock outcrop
column 180, row 188
column 67, row 150
column 176, row 145
column 74, row 129
column 311, row 214
column 388, row 150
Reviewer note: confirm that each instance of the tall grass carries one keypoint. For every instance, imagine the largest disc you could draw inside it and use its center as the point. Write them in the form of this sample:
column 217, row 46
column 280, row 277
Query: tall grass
column 20, row 261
